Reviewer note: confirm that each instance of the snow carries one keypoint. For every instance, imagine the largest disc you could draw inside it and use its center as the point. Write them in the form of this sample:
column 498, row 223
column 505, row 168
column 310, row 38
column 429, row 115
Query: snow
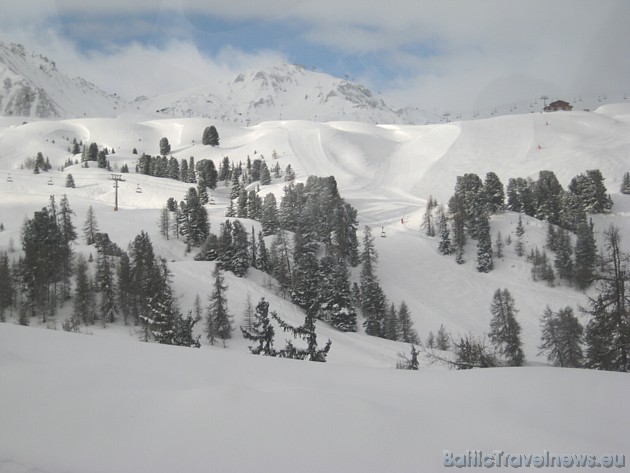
column 90, row 403
column 77, row 403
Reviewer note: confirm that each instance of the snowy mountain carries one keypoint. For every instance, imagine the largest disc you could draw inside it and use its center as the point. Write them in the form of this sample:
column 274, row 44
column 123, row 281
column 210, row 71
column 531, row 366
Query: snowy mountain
column 286, row 92
column 397, row 420
column 32, row 86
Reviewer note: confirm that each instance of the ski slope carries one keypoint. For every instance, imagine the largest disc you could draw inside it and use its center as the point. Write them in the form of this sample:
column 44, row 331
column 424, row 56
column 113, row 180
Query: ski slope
column 79, row 403
column 72, row 403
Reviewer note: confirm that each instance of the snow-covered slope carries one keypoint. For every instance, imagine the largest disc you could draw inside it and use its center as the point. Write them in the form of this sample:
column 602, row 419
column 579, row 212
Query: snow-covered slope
column 386, row 172
column 108, row 403
column 73, row 403
column 32, row 86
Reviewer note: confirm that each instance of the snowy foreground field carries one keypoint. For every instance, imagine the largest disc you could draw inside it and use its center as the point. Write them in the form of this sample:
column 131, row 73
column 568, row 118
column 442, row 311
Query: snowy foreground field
column 101, row 401
column 79, row 403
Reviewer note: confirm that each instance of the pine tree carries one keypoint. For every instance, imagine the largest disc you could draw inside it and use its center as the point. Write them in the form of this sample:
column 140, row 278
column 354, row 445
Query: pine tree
column 493, row 193
column 265, row 175
column 444, row 246
column 456, row 209
column 498, row 245
column 165, row 146
column 108, row 307
column 262, row 332
column 564, row 256
column 192, row 173
column 306, row 332
column 585, row 256
column 6, row 285
column 124, row 284
column 165, row 222
column 218, row 321
column 390, row 324
column 427, row 220
column 373, row 301
column 431, row 340
column 269, row 220
column 262, row 258
column 520, row 231
column 406, row 332
column 289, row 174
column 472, row 353
column 90, row 227
column 70, row 181
column 442, row 339
column 81, row 310
column 485, row 264
column 183, row 171
column 210, row 136
column 561, row 338
column 608, row 330
column 411, row 363
column 248, row 315
column 505, row 329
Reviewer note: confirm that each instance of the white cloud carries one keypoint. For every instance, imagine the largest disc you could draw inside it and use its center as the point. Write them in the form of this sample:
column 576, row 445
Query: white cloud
column 440, row 54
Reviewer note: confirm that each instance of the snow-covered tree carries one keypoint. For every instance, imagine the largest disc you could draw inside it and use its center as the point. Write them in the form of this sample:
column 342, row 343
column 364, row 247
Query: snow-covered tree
column 504, row 328
column 561, row 338
column 218, row 320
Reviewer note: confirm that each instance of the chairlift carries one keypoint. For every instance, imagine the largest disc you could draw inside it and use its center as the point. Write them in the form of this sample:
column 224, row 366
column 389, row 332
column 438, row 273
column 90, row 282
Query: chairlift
column 50, row 182
column 383, row 234
column 138, row 189
column 211, row 201
column 9, row 178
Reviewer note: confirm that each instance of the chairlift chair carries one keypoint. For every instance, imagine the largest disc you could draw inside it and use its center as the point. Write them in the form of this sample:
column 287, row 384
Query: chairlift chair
column 9, row 178
column 50, row 182
column 383, row 234
column 211, row 201
column 138, row 189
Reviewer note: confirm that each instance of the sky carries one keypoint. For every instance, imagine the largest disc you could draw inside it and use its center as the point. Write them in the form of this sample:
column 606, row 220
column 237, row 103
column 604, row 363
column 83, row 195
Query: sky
column 439, row 55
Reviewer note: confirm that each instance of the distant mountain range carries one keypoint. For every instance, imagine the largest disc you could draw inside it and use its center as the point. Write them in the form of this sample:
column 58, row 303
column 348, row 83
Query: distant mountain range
column 32, row 86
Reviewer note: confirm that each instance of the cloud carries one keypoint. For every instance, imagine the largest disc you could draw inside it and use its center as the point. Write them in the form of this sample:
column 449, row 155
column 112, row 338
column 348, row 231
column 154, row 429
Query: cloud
column 433, row 53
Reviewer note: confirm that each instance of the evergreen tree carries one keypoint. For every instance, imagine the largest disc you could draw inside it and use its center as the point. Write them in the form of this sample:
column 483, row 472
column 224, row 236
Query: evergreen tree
column 280, row 260
column 548, row 194
column 6, row 285
column 564, row 256
column 390, row 324
column 262, row 332
column 444, row 246
column 472, row 353
column 625, row 184
column 101, row 159
column 373, row 301
column 108, row 307
column 493, row 193
column 165, row 222
column 124, row 284
column 504, row 328
column 210, row 136
column 498, row 245
column 262, row 258
column 192, row 173
column 165, row 146
column 306, row 332
column 411, row 363
column 608, row 330
column 265, row 175
column 427, row 220
column 585, row 256
column 82, row 295
column 183, row 171
column 456, row 209
column 431, row 340
column 520, row 231
column 289, row 174
column 485, row 264
column 406, row 332
column 591, row 191
column 561, row 338
column 219, row 321
column 442, row 339
column 240, row 258
column 90, row 227
column 70, row 181
column 269, row 218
